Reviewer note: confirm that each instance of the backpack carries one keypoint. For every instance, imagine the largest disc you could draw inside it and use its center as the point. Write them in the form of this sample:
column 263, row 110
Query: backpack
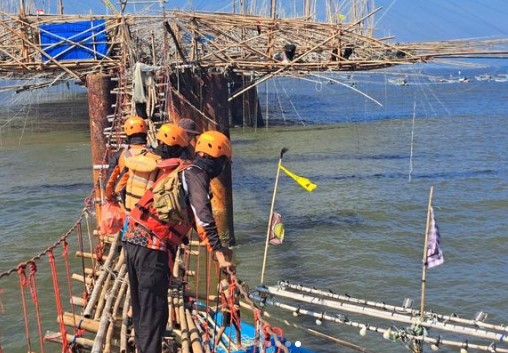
column 163, row 210
column 169, row 199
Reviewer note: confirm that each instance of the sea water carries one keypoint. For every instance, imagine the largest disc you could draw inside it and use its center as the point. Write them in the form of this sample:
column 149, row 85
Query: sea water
column 361, row 232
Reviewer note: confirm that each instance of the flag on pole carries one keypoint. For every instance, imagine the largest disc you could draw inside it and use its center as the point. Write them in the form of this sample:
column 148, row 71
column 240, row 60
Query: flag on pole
column 434, row 253
column 276, row 229
column 341, row 17
column 303, row 182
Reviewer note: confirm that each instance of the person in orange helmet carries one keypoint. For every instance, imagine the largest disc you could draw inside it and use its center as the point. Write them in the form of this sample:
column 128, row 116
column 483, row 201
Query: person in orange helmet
column 150, row 240
column 135, row 129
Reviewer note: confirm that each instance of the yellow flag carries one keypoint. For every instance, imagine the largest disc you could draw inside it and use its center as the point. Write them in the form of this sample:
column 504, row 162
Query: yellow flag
column 303, row 182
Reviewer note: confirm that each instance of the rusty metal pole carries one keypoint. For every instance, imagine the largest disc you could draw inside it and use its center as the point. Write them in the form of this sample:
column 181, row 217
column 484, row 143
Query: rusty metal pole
column 100, row 102
column 222, row 187
column 212, row 90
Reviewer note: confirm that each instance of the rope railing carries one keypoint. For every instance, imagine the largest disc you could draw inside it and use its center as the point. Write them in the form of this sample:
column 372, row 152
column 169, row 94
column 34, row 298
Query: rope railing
column 60, row 242
column 27, row 271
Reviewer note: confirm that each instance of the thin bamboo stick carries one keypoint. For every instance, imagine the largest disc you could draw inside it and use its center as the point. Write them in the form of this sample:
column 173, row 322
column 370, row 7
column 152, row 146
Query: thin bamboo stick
column 183, row 325
column 99, row 338
column 94, row 296
column 123, row 330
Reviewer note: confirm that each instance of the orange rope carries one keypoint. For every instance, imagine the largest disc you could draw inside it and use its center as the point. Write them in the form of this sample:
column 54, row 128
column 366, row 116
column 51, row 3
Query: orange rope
column 56, row 287
column 32, row 282
column 23, row 283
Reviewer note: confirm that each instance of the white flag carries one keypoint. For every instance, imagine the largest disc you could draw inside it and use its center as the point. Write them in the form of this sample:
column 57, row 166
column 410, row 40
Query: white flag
column 434, row 253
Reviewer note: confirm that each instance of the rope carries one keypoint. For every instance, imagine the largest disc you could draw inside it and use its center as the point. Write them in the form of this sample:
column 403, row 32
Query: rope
column 56, row 287
column 23, row 283
column 32, row 282
column 272, row 331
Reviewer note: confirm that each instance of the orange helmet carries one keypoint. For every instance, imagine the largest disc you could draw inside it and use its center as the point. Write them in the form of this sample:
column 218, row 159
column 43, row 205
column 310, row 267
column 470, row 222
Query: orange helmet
column 172, row 135
column 215, row 144
column 134, row 125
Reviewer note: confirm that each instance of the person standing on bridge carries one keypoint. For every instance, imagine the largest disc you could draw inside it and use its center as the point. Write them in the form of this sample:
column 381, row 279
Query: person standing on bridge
column 135, row 129
column 151, row 239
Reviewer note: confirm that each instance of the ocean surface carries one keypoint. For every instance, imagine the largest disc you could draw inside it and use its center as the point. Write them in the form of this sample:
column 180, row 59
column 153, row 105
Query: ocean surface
column 361, row 232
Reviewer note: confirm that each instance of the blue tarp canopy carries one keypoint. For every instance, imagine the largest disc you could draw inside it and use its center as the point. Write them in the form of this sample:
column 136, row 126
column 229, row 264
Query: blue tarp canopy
column 84, row 40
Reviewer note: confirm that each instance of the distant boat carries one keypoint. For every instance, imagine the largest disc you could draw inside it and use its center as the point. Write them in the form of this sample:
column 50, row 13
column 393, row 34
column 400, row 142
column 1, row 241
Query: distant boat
column 483, row 77
column 398, row 81
column 501, row 78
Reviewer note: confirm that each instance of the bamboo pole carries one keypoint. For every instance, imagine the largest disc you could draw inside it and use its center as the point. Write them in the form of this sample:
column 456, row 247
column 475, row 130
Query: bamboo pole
column 424, row 258
column 194, row 337
column 99, row 338
column 183, row 324
column 94, row 296
column 124, row 328
column 80, row 322
column 56, row 337
column 272, row 205
column 114, row 313
column 78, row 301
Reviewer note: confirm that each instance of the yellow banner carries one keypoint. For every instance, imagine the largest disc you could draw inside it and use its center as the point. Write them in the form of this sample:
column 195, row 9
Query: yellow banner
column 303, row 182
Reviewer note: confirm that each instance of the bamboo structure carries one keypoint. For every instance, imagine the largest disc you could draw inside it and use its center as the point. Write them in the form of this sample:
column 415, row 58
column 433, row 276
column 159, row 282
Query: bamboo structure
column 419, row 322
column 221, row 42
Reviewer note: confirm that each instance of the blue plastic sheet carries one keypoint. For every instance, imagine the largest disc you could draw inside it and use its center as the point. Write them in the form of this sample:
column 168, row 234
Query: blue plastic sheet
column 84, row 40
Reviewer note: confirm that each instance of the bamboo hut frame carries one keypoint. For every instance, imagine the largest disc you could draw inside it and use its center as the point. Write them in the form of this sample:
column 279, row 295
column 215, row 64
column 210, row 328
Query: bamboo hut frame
column 222, row 42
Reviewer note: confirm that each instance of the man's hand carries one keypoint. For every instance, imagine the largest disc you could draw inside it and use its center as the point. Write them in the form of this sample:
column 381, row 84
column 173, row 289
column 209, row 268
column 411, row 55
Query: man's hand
column 224, row 257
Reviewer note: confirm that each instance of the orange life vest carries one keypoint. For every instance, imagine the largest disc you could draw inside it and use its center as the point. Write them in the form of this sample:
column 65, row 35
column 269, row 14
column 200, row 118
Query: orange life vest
column 143, row 172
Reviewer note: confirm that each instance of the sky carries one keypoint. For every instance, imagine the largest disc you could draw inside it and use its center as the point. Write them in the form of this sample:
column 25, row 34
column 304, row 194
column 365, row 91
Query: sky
column 407, row 20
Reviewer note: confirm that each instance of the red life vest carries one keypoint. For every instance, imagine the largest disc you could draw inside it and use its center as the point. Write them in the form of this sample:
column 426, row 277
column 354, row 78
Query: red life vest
column 146, row 216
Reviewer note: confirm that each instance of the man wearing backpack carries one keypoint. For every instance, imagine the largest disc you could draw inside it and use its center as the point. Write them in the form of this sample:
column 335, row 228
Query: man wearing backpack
column 159, row 223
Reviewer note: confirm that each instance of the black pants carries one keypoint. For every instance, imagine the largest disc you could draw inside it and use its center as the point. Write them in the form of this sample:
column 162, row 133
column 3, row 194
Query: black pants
column 149, row 283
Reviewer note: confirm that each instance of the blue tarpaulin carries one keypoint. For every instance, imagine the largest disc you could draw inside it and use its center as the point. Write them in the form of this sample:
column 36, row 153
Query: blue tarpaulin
column 74, row 41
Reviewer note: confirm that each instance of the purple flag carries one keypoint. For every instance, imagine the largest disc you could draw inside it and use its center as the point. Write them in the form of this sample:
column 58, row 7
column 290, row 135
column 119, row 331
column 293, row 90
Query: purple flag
column 434, row 253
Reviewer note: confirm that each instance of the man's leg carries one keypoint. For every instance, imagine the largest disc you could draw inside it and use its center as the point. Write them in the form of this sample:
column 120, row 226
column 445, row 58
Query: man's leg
column 153, row 277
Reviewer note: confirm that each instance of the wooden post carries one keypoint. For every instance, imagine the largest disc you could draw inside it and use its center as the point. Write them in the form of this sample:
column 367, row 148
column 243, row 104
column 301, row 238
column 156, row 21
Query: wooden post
column 100, row 101
column 424, row 259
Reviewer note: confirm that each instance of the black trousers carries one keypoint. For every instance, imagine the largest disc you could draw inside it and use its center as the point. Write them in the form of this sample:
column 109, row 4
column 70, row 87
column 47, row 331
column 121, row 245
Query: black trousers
column 149, row 282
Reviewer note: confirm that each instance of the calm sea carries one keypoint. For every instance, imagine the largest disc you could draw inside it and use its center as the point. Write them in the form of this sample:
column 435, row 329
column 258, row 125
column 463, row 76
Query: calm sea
column 360, row 232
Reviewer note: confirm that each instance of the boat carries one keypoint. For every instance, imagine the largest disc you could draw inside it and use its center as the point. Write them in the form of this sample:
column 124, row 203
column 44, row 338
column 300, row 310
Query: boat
column 501, row 78
column 398, row 81
column 483, row 77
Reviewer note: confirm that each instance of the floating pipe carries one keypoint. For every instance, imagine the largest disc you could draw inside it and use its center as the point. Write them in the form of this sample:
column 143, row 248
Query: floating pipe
column 385, row 315
column 339, row 319
column 402, row 309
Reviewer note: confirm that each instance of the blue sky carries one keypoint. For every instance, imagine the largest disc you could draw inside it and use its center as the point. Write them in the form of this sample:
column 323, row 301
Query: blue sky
column 407, row 20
